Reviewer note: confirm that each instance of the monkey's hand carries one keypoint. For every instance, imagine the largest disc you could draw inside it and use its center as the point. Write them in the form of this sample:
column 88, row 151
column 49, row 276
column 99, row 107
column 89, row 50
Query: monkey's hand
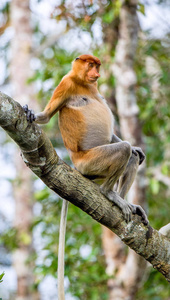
column 137, row 209
column 29, row 113
column 125, row 207
column 140, row 153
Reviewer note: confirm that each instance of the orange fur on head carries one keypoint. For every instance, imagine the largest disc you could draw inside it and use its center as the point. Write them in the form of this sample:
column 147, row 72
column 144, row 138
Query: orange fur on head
column 89, row 58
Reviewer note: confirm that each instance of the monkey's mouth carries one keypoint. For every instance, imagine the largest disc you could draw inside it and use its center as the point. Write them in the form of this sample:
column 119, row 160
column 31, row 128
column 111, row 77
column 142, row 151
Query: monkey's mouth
column 92, row 79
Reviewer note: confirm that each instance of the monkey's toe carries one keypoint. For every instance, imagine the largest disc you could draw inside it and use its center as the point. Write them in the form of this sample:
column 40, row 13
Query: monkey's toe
column 137, row 209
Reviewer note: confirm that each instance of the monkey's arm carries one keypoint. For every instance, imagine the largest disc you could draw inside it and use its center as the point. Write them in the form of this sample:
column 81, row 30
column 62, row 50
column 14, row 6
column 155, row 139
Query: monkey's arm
column 56, row 102
column 44, row 117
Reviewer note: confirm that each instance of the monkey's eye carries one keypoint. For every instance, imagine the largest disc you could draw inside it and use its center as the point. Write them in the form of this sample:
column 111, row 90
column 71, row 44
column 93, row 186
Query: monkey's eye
column 98, row 68
column 91, row 65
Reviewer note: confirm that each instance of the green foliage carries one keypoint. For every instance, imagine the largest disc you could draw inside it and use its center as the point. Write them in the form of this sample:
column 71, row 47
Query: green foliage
column 154, row 110
column 108, row 17
column 93, row 280
column 154, row 115
column 9, row 239
column 154, row 185
column 158, row 207
column 154, row 288
column 51, row 71
column 1, row 276
column 141, row 8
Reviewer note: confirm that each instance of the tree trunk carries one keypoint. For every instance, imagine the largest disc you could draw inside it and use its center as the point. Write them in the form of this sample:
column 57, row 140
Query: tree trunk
column 20, row 72
column 128, row 269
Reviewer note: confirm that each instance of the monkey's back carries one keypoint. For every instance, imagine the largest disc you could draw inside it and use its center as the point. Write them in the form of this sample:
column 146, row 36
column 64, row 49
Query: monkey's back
column 85, row 123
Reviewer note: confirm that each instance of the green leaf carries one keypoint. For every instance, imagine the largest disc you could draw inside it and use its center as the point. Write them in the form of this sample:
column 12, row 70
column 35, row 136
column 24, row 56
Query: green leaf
column 25, row 238
column 141, row 8
column 154, row 186
column 1, row 276
column 165, row 169
column 108, row 17
column 41, row 195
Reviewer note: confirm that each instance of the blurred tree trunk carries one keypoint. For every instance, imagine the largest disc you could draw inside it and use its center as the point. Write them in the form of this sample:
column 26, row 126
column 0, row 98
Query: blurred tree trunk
column 20, row 72
column 127, row 269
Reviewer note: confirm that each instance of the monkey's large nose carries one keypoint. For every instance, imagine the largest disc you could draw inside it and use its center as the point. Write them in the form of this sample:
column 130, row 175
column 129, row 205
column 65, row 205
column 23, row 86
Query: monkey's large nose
column 97, row 75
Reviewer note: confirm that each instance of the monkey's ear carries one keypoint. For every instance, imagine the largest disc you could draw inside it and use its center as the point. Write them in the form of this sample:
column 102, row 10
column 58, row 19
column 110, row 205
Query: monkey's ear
column 77, row 58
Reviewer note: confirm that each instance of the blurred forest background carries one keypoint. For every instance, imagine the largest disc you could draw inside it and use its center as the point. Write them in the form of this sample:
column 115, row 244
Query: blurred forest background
column 38, row 41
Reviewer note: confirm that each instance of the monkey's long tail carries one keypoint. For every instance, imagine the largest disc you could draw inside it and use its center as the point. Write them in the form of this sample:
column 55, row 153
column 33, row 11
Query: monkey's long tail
column 61, row 250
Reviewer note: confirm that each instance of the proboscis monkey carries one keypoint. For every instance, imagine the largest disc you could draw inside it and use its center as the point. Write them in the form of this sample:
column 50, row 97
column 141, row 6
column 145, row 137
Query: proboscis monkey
column 86, row 125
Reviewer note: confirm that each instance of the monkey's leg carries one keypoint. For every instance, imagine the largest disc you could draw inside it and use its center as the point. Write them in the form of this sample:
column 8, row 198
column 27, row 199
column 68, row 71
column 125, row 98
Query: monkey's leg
column 109, row 162
column 107, row 190
column 103, row 161
column 125, row 182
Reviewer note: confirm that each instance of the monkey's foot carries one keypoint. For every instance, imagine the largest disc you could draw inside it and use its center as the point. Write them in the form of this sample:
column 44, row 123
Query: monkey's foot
column 139, row 151
column 137, row 209
column 125, row 207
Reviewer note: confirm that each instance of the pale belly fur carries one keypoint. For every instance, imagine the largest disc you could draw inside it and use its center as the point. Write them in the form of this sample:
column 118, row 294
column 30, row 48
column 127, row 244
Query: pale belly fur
column 98, row 119
column 99, row 122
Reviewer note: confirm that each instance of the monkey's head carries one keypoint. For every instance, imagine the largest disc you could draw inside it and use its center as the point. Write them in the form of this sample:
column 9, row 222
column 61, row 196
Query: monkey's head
column 86, row 68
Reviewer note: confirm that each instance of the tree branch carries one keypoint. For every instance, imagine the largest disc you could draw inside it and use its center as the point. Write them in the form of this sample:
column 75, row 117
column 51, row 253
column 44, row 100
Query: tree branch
column 40, row 156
